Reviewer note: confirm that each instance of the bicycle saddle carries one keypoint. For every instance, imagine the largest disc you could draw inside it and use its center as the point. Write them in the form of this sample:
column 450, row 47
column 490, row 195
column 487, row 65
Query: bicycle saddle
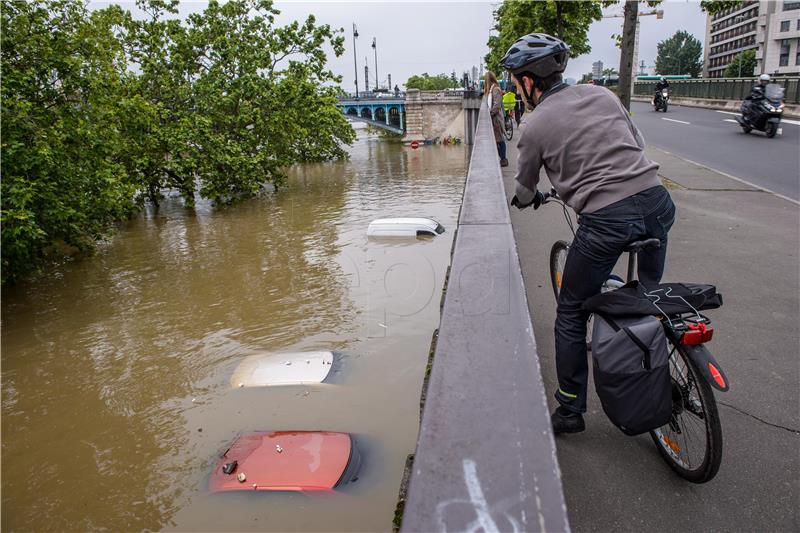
column 647, row 244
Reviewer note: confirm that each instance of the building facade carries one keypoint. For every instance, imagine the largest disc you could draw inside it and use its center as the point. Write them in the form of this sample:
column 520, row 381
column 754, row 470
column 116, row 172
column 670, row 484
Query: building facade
column 778, row 36
column 771, row 28
column 729, row 33
column 597, row 69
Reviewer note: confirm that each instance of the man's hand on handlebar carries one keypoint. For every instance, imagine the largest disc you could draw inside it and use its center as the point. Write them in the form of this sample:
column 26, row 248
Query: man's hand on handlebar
column 537, row 200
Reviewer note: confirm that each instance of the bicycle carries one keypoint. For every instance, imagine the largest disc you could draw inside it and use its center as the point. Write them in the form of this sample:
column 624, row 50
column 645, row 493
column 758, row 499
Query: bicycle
column 509, row 124
column 693, row 372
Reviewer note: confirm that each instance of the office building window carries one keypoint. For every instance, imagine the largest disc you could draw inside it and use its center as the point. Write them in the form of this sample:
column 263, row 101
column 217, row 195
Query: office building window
column 789, row 6
column 798, row 24
column 784, row 57
column 785, row 25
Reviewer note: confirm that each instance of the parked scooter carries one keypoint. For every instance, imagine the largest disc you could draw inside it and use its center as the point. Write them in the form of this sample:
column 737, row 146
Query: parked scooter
column 661, row 100
column 764, row 114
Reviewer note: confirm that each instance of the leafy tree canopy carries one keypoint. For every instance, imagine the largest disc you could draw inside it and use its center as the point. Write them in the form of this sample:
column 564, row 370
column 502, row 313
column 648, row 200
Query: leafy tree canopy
column 426, row 82
column 680, row 54
column 102, row 111
column 569, row 21
column 743, row 64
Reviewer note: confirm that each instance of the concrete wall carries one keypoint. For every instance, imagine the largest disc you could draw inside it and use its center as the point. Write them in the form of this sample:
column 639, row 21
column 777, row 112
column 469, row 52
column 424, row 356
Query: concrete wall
column 485, row 457
column 432, row 114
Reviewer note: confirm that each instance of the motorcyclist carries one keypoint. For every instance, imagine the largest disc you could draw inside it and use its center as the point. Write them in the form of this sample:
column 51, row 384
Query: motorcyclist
column 660, row 86
column 604, row 175
column 757, row 94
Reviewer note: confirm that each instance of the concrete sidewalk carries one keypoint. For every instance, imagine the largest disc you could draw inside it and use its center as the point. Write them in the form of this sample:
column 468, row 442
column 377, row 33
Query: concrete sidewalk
column 746, row 242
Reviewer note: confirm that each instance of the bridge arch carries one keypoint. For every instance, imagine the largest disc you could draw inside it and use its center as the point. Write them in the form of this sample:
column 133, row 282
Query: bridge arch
column 394, row 117
column 352, row 111
column 380, row 114
column 366, row 112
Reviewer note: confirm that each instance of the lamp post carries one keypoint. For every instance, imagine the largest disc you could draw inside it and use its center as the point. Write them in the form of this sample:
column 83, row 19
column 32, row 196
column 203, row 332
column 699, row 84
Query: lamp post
column 375, row 48
column 355, row 61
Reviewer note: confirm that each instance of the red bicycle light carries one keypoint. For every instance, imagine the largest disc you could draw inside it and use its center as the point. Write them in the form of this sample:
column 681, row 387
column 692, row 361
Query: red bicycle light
column 697, row 334
column 717, row 375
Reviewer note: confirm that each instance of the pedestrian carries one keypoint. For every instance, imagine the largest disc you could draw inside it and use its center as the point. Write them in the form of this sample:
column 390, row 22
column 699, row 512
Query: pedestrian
column 491, row 89
column 518, row 104
column 604, row 175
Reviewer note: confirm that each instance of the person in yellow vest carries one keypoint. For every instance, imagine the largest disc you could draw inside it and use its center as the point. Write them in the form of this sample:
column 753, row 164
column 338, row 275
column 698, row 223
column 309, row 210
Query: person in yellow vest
column 509, row 102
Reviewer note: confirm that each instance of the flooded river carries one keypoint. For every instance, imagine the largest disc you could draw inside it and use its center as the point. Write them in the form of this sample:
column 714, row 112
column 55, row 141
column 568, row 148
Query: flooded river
column 116, row 394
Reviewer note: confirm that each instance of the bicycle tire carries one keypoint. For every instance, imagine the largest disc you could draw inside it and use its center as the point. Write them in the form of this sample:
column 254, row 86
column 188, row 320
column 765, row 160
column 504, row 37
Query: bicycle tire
column 670, row 448
column 558, row 258
column 509, row 128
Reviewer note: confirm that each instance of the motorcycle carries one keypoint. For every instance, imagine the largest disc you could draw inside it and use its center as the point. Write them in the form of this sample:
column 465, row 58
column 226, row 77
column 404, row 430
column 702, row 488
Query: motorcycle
column 661, row 100
column 764, row 114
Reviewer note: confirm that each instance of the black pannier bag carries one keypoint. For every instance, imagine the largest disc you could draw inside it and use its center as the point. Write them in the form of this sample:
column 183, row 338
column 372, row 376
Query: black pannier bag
column 632, row 299
column 631, row 371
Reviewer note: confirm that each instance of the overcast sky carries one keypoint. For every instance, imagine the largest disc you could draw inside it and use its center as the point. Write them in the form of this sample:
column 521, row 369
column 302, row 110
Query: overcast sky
column 435, row 37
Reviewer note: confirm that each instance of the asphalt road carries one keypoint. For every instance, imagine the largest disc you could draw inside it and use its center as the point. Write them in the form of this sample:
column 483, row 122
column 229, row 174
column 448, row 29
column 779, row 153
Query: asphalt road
column 746, row 242
column 713, row 138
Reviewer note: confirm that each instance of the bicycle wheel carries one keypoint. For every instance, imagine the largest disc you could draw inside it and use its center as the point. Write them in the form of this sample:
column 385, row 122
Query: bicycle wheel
column 558, row 258
column 509, row 128
column 691, row 443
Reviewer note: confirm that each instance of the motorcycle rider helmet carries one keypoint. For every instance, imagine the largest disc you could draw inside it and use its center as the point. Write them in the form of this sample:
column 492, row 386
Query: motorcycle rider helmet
column 537, row 56
column 763, row 79
column 662, row 79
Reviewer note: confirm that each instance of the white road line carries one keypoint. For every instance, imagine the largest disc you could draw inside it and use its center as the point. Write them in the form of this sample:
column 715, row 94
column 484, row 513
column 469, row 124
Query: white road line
column 729, row 120
column 783, row 120
column 740, row 180
column 673, row 120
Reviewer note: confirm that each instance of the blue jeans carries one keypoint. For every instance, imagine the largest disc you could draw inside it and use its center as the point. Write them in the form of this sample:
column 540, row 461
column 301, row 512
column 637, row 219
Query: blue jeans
column 599, row 242
column 501, row 150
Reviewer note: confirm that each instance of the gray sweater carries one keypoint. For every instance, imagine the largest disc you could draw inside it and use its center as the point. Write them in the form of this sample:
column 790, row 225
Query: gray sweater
column 590, row 149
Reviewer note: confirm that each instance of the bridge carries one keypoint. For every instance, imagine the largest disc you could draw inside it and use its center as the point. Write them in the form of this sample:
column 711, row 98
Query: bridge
column 385, row 113
column 417, row 115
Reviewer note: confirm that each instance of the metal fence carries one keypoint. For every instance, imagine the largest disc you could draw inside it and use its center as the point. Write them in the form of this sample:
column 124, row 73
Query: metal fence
column 720, row 88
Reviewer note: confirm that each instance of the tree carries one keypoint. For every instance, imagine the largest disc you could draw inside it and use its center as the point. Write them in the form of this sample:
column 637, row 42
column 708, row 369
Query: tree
column 569, row 21
column 426, row 82
column 101, row 111
column 586, row 78
column 610, row 72
column 680, row 54
column 64, row 109
column 743, row 64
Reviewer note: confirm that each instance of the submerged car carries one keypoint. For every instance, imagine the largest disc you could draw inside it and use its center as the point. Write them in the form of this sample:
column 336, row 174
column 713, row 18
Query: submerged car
column 287, row 461
column 404, row 227
column 274, row 369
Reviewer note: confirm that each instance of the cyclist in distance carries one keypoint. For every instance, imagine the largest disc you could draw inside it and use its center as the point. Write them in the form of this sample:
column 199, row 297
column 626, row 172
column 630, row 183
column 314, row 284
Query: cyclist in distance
column 594, row 157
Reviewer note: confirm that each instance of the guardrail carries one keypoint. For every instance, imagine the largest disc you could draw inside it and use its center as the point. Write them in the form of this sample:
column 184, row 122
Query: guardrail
column 485, row 456
column 720, row 88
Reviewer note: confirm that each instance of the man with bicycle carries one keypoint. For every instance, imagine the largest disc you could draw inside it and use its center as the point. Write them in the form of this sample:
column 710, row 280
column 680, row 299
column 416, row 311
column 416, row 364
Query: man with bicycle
column 594, row 157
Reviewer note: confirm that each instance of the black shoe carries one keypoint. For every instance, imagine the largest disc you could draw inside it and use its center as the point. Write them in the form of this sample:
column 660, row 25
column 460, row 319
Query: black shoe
column 566, row 421
column 504, row 162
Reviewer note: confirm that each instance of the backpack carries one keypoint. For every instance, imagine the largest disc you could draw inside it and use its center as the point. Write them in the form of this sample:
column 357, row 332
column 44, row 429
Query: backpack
column 631, row 372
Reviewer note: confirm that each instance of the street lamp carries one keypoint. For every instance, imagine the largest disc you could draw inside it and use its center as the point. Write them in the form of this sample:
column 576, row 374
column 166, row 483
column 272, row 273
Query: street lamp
column 355, row 61
column 375, row 48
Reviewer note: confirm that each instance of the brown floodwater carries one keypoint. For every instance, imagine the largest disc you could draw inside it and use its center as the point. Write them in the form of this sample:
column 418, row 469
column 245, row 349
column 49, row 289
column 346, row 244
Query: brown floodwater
column 116, row 401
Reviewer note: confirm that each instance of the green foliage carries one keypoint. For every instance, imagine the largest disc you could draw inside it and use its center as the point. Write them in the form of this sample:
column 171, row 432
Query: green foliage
column 610, row 72
column 102, row 111
column 586, row 78
column 425, row 82
column 568, row 21
column 680, row 54
column 715, row 6
column 743, row 64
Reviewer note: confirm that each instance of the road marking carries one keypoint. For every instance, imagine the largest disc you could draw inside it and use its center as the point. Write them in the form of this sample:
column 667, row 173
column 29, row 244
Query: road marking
column 740, row 180
column 673, row 120
column 783, row 120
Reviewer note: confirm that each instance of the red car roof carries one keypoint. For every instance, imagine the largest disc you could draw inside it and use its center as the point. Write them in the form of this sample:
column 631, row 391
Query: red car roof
column 283, row 460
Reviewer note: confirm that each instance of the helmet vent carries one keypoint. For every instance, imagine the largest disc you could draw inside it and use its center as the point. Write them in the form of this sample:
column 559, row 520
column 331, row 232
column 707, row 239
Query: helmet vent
column 537, row 45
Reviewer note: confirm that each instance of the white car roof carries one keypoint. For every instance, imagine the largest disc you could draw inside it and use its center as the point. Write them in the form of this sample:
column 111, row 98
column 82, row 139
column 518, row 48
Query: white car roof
column 399, row 227
column 271, row 369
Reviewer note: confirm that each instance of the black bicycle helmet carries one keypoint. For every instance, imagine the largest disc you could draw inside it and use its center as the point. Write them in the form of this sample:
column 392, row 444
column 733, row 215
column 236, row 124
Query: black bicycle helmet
column 536, row 54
